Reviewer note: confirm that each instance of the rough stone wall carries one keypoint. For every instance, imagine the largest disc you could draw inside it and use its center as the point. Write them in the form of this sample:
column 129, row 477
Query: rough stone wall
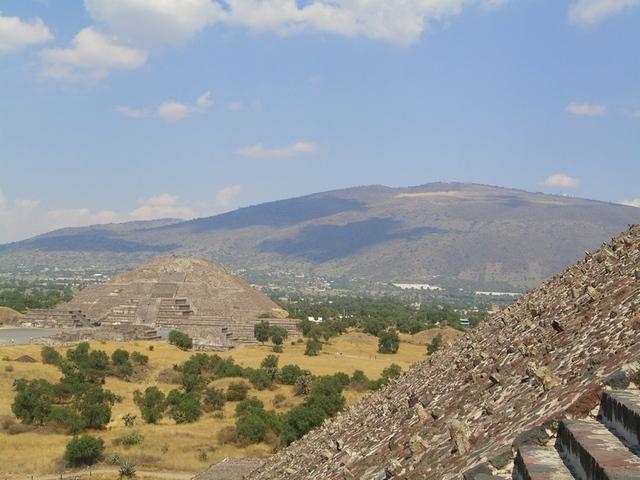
column 543, row 356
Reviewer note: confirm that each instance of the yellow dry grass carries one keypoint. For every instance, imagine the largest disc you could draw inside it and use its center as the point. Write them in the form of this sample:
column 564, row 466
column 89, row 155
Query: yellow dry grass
column 39, row 452
column 8, row 316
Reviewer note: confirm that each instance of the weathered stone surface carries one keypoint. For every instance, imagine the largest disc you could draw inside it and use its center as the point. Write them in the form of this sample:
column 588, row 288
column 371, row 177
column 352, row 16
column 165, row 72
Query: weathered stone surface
column 542, row 373
column 194, row 295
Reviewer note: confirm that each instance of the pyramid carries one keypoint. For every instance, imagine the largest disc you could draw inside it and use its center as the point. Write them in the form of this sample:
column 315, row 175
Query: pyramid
column 545, row 389
column 190, row 294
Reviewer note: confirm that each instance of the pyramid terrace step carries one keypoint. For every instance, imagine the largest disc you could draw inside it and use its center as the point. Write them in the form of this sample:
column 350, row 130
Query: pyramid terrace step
column 594, row 453
column 620, row 411
column 539, row 463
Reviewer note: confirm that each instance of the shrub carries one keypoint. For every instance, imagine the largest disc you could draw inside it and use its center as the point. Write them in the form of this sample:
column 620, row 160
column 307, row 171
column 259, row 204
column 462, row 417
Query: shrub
column 121, row 363
column 270, row 361
column 150, row 348
column 227, row 435
column 278, row 334
column 237, row 391
column 277, row 349
column 261, row 331
column 127, row 470
column 302, row 385
column 213, row 399
column 251, row 427
column 129, row 420
column 151, row 404
column 290, row 373
column 113, row 459
column 33, row 401
column 260, row 378
column 203, row 456
column 83, row 450
column 184, row 407
column 435, row 344
column 359, row 381
column 8, row 368
column 249, row 405
column 388, row 341
column 313, row 347
column 180, row 340
column 67, row 418
column 50, row 356
column 139, row 359
column 133, row 438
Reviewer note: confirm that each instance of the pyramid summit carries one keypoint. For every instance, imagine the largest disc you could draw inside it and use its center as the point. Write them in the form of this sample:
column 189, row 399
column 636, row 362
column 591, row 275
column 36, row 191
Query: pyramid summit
column 190, row 294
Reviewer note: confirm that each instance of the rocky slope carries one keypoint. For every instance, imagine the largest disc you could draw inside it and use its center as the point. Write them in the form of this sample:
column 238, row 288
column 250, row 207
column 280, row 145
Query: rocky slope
column 543, row 358
column 477, row 236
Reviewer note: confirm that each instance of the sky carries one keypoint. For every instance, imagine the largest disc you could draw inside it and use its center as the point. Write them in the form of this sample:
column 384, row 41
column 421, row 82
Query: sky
column 121, row 110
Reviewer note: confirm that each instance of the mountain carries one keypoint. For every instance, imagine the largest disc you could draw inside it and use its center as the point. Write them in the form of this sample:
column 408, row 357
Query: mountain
column 527, row 378
column 452, row 234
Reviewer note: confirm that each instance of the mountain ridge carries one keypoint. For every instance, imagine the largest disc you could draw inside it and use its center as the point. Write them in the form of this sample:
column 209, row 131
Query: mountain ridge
column 458, row 233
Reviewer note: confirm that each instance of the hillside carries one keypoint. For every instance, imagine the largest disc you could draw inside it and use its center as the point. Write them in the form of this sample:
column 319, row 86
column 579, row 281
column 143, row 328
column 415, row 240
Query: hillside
column 451, row 234
column 8, row 316
column 543, row 358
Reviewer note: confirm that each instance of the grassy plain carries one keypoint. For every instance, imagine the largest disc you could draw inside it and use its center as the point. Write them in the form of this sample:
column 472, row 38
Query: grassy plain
column 167, row 446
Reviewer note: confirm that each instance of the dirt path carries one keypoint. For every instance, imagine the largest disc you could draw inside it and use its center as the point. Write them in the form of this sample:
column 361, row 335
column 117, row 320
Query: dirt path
column 100, row 471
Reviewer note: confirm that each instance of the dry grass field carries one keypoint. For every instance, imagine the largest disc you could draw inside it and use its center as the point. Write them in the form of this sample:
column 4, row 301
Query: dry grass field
column 167, row 446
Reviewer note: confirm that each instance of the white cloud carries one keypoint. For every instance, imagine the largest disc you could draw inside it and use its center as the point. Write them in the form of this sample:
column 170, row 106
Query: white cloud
column 91, row 56
column 260, row 151
column 226, row 197
column 586, row 109
column 634, row 113
column 153, row 22
column 561, row 180
column 632, row 203
column 235, row 107
column 591, row 12
column 16, row 34
column 170, row 111
column 164, row 205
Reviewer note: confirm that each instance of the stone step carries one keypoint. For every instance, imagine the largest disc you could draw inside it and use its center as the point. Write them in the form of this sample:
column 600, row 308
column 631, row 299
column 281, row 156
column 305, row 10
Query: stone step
column 539, row 463
column 620, row 411
column 594, row 453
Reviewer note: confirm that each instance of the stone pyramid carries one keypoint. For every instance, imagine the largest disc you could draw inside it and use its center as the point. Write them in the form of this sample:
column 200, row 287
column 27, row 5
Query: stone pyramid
column 551, row 383
column 190, row 294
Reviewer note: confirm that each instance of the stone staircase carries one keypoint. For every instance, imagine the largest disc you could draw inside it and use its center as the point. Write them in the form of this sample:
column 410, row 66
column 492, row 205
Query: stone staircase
column 50, row 318
column 605, row 448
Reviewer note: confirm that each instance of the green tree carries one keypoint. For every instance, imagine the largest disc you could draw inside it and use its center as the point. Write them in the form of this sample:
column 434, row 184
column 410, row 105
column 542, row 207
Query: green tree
column 249, row 405
column 33, row 401
column 252, row 428
column 213, row 399
column 290, row 373
column 278, row 335
column 260, row 378
column 313, row 347
column 68, row 418
column 152, row 404
column 83, row 450
column 183, row 407
column 435, row 344
column 50, row 356
column 270, row 361
column 262, row 331
column 388, row 341
column 139, row 358
column 180, row 340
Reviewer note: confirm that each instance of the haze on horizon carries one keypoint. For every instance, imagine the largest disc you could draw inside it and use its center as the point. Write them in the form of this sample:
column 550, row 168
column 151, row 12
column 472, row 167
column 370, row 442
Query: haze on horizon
column 119, row 110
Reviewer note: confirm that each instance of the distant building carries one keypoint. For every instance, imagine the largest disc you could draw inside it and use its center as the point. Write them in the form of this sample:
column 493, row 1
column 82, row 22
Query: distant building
column 464, row 322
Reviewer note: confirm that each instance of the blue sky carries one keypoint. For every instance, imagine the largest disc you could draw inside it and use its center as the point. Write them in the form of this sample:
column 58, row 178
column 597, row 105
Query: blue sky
column 116, row 110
